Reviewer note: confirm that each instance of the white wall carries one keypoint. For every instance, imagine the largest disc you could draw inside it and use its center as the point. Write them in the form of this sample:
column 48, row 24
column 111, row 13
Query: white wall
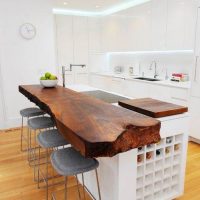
column 172, row 62
column 23, row 61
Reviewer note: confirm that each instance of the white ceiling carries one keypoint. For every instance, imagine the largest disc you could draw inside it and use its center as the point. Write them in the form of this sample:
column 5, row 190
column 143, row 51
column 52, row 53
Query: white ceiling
column 90, row 5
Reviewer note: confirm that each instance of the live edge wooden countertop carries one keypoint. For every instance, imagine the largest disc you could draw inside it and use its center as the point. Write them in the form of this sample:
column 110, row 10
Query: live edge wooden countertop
column 95, row 128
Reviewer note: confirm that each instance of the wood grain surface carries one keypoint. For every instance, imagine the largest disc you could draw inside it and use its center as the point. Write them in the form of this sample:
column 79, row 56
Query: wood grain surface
column 93, row 127
column 152, row 107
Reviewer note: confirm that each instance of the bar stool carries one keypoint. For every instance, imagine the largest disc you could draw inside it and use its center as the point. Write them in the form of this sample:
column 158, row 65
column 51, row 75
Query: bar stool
column 27, row 113
column 69, row 162
column 50, row 139
column 37, row 123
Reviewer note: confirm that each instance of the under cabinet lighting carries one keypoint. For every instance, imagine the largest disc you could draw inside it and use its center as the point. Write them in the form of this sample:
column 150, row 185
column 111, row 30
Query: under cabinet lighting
column 188, row 51
column 109, row 11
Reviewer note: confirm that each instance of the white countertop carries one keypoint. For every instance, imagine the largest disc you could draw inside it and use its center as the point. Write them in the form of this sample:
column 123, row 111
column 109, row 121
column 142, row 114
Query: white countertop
column 84, row 88
column 184, row 85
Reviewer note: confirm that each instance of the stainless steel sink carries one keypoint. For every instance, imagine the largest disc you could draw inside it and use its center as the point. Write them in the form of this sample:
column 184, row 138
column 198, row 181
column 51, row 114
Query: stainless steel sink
column 147, row 79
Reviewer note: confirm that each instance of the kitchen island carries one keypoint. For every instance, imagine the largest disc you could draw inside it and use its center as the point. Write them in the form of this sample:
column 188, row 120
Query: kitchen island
column 134, row 163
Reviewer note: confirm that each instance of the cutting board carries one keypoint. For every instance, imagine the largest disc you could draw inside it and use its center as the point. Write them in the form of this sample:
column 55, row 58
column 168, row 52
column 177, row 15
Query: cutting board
column 152, row 107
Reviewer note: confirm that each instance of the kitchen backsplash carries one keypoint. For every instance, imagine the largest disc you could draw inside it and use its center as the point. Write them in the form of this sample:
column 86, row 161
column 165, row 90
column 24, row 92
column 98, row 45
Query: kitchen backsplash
column 170, row 63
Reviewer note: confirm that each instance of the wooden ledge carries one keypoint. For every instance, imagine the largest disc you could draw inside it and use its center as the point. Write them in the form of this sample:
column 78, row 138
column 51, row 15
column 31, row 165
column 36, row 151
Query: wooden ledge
column 95, row 128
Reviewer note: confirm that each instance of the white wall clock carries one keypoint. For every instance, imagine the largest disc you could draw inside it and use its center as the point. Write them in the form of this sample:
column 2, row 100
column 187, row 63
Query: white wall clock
column 27, row 31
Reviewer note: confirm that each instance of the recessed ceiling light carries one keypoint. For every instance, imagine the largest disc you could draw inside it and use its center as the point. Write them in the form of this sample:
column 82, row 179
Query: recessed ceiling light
column 65, row 3
column 97, row 6
column 106, row 12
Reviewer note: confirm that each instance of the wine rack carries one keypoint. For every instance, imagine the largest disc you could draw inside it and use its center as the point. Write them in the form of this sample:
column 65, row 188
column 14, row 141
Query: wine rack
column 159, row 169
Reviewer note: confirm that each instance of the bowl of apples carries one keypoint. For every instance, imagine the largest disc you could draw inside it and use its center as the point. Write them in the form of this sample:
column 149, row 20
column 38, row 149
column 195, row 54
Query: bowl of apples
column 48, row 80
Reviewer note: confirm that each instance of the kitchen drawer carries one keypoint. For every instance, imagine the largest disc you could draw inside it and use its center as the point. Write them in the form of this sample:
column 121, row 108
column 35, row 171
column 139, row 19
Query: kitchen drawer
column 179, row 96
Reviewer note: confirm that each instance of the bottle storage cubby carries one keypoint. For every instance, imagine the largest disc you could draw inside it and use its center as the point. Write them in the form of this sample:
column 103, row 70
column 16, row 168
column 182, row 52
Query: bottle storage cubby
column 159, row 168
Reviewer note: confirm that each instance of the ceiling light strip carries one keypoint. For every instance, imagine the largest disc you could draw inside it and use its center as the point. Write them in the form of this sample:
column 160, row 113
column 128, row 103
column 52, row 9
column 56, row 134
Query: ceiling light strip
column 187, row 51
column 109, row 11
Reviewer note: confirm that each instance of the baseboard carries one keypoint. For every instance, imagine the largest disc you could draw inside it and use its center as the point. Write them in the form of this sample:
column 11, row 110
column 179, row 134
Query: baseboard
column 192, row 139
column 11, row 123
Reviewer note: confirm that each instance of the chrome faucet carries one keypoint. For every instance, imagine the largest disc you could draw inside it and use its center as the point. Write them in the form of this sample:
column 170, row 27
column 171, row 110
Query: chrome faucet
column 69, row 70
column 155, row 65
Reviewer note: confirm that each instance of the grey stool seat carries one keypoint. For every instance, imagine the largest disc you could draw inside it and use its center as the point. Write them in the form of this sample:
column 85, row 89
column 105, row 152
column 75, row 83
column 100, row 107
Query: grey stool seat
column 70, row 162
column 40, row 123
column 50, row 139
column 31, row 112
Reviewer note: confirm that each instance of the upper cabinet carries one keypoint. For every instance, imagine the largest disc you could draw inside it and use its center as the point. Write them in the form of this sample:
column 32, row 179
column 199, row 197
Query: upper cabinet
column 155, row 25
column 128, row 30
column 72, row 42
column 95, row 43
column 159, row 26
column 64, row 40
column 180, row 32
column 81, row 40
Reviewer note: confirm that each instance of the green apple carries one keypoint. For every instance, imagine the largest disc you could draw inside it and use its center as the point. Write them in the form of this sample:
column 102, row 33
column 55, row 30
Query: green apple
column 53, row 77
column 43, row 78
column 47, row 75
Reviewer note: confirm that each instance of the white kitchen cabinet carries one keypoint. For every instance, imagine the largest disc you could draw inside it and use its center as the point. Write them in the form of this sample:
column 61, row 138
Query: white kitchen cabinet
column 81, row 40
column 159, row 19
column 179, row 96
column 95, row 41
column 64, row 41
column 72, row 47
column 190, row 23
column 136, row 89
column 175, row 24
column 180, row 24
column 81, row 78
column 141, row 89
column 195, row 91
column 69, row 78
column 109, row 32
column 129, row 30
column 116, row 85
column 100, row 81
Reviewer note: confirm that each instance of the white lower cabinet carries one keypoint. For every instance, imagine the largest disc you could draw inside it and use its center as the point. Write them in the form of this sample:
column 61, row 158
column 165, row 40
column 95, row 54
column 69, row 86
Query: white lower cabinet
column 76, row 78
column 116, row 85
column 139, row 89
column 99, row 81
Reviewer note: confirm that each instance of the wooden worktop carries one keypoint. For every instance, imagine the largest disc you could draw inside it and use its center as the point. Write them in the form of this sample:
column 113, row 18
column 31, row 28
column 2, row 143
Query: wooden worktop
column 153, row 107
column 93, row 127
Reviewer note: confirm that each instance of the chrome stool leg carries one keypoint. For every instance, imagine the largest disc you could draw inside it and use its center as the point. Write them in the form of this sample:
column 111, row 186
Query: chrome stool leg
column 83, row 181
column 47, row 182
column 77, row 184
column 22, row 131
column 65, row 187
column 97, row 178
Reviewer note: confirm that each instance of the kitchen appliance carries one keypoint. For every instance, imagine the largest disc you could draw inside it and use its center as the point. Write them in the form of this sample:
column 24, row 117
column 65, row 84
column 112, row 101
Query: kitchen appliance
column 131, row 72
column 118, row 69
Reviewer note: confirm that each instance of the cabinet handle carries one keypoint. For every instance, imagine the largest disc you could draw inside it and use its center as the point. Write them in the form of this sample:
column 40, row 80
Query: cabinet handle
column 195, row 71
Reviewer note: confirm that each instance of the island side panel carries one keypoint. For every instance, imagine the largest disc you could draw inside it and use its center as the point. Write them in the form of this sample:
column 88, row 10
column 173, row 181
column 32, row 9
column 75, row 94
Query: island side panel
column 160, row 177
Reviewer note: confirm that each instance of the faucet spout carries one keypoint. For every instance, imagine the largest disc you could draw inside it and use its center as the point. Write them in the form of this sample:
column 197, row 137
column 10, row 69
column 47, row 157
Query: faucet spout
column 155, row 67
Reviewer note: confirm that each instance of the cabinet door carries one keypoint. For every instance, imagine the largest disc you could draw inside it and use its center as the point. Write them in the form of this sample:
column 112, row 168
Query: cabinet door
column 81, row 78
column 195, row 91
column 190, row 23
column 94, row 24
column 159, row 20
column 195, row 118
column 110, row 28
column 64, row 41
column 69, row 78
column 81, row 40
column 175, row 24
column 116, row 85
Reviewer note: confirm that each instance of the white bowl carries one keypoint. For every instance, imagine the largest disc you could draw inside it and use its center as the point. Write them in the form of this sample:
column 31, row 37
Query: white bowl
column 48, row 83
